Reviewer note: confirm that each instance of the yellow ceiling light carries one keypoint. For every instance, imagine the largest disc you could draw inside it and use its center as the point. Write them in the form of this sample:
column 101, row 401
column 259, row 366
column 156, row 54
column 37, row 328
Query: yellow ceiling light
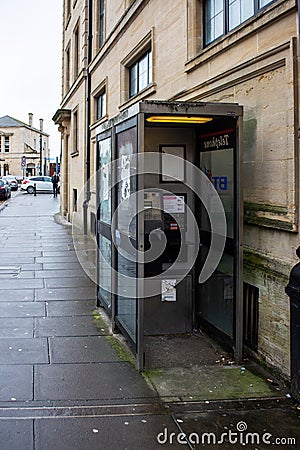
column 178, row 119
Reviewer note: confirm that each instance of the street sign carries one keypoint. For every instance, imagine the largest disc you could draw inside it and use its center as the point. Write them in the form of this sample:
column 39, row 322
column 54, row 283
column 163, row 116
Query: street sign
column 23, row 162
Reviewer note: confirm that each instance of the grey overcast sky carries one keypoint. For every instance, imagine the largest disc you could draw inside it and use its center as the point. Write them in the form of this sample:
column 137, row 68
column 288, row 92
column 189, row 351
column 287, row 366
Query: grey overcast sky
column 30, row 49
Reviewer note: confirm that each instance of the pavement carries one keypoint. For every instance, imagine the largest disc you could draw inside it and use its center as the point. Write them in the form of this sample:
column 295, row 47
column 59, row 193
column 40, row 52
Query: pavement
column 68, row 383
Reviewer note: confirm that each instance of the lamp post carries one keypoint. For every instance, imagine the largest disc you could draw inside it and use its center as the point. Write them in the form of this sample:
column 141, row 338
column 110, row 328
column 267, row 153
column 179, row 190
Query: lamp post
column 41, row 155
column 41, row 146
column 45, row 159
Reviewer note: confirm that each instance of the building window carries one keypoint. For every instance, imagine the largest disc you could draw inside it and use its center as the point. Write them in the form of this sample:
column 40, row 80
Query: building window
column 76, row 52
column 67, row 84
column 6, row 144
column 75, row 132
column 100, row 105
column 0, row 144
column 221, row 16
column 239, row 11
column 68, row 9
column 101, row 22
column 74, row 200
column 140, row 74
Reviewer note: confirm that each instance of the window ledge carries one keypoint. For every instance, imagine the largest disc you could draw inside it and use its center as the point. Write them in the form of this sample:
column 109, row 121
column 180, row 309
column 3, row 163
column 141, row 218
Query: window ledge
column 74, row 153
column 149, row 90
column 68, row 19
column 99, row 121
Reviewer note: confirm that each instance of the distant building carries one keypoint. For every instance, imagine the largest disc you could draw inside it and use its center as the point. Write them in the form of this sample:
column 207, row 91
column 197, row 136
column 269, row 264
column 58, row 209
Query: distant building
column 20, row 146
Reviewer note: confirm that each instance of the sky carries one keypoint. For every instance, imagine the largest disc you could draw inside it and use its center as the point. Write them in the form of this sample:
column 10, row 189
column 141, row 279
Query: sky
column 31, row 53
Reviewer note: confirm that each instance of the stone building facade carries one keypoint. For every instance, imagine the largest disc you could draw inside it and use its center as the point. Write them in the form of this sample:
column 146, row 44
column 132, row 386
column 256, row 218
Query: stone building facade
column 22, row 146
column 117, row 52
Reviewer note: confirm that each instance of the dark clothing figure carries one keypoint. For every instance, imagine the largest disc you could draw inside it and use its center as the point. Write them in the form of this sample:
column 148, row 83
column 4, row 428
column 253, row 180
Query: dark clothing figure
column 55, row 180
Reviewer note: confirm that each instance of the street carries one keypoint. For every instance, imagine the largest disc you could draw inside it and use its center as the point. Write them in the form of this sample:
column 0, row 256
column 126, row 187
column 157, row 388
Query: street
column 64, row 384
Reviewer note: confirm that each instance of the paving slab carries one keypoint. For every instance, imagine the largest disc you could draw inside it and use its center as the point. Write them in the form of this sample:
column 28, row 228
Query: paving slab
column 69, row 282
column 55, row 260
column 15, row 384
column 67, row 326
column 35, row 266
column 72, row 293
column 23, row 351
column 209, row 382
column 24, row 295
column 81, row 350
column 15, row 244
column 62, row 266
column 70, row 308
column 24, row 274
column 60, row 236
column 135, row 432
column 22, row 309
column 20, row 284
column 19, row 261
column 16, row 434
column 19, row 255
column 15, row 327
column 58, row 254
column 89, row 382
column 255, row 429
column 63, row 246
column 61, row 273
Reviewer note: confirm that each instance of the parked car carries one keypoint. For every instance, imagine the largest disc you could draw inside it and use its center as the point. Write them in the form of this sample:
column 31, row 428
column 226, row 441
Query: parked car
column 12, row 181
column 42, row 183
column 5, row 190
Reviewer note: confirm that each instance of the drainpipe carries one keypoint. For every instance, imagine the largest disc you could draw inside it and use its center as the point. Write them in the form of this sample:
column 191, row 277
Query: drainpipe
column 298, row 26
column 88, row 110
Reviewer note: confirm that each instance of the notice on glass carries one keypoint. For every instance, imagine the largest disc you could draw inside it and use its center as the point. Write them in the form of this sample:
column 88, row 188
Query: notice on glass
column 173, row 204
column 168, row 290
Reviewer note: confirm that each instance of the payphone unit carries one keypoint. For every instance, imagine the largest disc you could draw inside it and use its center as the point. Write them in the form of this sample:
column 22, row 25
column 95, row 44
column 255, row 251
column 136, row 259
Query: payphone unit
column 164, row 213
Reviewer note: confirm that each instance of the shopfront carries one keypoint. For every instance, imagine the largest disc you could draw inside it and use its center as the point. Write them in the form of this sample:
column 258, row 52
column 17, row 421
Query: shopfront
column 169, row 221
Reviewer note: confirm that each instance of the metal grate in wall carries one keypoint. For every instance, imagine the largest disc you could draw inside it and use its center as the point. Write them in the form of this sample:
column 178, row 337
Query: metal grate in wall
column 251, row 296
